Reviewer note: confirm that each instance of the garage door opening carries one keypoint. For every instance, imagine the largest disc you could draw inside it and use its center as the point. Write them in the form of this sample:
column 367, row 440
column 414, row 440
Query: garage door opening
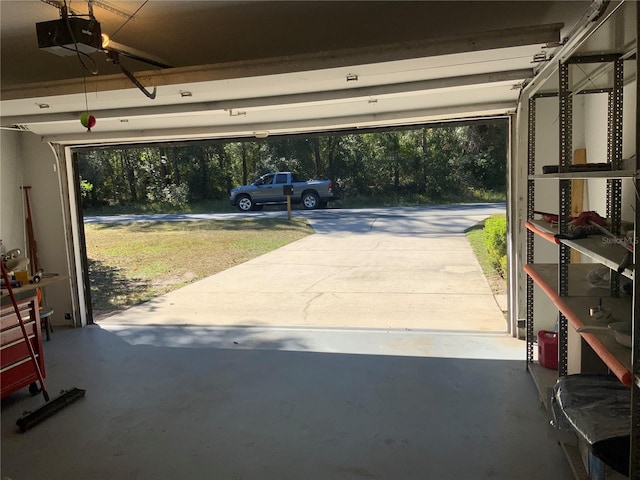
column 403, row 183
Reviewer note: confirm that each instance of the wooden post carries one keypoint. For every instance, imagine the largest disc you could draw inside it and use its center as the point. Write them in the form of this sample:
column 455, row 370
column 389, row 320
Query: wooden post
column 287, row 190
column 33, row 248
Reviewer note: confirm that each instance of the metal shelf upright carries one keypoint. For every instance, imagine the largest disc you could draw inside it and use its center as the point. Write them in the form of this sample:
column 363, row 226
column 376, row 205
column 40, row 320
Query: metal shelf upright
column 565, row 101
column 531, row 154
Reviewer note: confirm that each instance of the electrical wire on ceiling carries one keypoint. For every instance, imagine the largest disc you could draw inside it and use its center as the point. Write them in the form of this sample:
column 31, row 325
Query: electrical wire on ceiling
column 93, row 70
column 130, row 18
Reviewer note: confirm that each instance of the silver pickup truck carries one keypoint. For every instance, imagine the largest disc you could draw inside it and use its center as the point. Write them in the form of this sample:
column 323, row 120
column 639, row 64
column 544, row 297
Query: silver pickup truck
column 272, row 189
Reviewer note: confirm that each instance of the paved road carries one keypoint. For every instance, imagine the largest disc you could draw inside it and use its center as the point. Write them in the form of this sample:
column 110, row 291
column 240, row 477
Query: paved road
column 443, row 218
column 393, row 268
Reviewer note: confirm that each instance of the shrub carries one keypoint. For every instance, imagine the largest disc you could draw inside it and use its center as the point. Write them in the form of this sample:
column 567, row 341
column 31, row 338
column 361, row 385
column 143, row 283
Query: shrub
column 85, row 187
column 495, row 241
column 173, row 195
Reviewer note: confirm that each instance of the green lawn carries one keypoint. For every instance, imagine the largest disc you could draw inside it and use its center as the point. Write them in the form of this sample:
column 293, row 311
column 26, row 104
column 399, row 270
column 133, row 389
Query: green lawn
column 134, row 262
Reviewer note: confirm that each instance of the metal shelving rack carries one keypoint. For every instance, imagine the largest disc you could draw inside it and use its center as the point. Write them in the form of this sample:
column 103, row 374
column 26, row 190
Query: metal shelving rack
column 613, row 212
column 614, row 185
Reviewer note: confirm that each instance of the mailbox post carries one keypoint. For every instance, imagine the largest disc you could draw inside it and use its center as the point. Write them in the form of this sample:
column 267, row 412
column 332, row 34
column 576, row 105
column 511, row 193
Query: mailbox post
column 288, row 191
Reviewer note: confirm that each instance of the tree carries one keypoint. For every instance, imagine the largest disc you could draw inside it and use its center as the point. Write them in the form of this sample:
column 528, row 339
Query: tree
column 424, row 163
column 485, row 155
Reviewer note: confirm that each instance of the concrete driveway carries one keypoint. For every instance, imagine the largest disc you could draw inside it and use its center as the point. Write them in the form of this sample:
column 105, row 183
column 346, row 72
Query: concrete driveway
column 394, row 268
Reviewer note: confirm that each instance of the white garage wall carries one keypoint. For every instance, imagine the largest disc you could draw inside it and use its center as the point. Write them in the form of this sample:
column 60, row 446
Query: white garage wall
column 41, row 173
column 596, row 145
column 629, row 126
column 596, row 106
column 12, row 215
column 26, row 160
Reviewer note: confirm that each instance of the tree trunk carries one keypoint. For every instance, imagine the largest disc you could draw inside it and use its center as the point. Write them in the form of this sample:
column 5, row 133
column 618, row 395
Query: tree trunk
column 333, row 143
column 176, row 165
column 245, row 174
column 316, row 151
column 130, row 174
column 164, row 168
column 205, row 159
column 425, row 167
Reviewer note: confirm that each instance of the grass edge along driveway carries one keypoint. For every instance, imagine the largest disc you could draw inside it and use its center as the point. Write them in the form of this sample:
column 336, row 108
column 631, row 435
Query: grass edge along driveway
column 130, row 263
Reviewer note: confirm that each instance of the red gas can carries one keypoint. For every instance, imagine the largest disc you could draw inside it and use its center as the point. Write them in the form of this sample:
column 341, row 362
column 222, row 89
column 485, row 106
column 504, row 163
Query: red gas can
column 548, row 349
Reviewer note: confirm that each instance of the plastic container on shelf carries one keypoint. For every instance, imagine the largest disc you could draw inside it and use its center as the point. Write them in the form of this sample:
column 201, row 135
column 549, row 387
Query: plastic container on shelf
column 548, row 349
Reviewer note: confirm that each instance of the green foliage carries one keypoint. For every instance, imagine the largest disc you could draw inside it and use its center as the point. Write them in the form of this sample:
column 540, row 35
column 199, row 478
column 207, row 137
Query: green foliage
column 476, row 237
column 85, row 188
column 495, row 241
column 172, row 195
column 503, row 266
column 412, row 166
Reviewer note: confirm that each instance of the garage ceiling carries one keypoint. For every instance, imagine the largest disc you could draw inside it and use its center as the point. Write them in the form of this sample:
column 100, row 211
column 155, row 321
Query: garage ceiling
column 247, row 69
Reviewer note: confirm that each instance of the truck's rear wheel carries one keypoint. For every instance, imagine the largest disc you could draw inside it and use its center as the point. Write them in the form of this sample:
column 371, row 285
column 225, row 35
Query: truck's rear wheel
column 245, row 203
column 310, row 200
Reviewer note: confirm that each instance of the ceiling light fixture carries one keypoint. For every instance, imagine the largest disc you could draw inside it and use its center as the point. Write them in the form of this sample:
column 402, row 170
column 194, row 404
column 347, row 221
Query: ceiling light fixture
column 185, row 94
column 43, row 105
column 352, row 77
column 109, row 45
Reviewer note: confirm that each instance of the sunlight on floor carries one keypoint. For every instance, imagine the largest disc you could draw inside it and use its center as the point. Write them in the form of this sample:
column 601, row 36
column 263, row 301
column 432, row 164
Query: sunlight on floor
column 414, row 343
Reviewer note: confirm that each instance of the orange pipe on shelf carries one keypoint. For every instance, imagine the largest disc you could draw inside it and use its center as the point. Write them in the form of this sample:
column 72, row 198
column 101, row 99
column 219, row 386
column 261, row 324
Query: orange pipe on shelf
column 546, row 235
column 617, row 367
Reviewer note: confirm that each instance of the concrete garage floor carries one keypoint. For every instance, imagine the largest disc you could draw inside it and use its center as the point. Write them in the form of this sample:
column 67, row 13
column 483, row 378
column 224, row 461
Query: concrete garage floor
column 413, row 378
column 222, row 403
